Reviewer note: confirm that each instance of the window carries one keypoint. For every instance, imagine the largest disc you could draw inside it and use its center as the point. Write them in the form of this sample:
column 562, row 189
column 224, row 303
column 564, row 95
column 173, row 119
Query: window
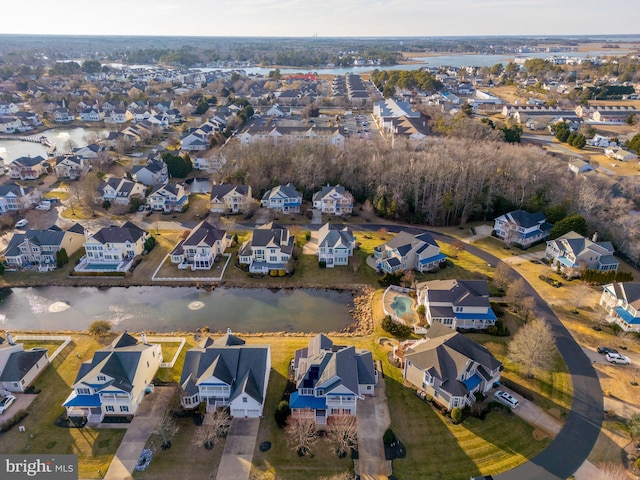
column 244, row 399
column 102, row 378
column 124, row 408
column 83, row 391
column 109, row 408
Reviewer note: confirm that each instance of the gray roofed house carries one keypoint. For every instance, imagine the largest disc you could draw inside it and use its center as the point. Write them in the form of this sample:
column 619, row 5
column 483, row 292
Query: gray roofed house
column 621, row 300
column 226, row 198
column 154, row 172
column 330, row 379
column 335, row 245
column 448, row 366
column 114, row 381
column 119, row 191
column 170, row 197
column 522, row 228
column 202, row 246
column 573, row 254
column 112, row 248
column 406, row 251
column 457, row 303
column 334, row 200
column 16, row 197
column 19, row 368
column 27, row 168
column 226, row 372
column 71, row 166
column 270, row 247
column 283, row 198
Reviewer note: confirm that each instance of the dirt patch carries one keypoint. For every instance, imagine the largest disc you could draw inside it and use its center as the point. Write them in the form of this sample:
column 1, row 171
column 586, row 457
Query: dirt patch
column 539, row 435
column 555, row 412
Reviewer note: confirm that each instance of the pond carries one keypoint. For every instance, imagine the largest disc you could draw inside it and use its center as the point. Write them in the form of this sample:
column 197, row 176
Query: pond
column 167, row 309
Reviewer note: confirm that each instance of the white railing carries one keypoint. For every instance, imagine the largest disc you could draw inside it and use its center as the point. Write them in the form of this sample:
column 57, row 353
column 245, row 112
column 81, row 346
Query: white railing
column 181, row 340
column 384, row 307
column 65, row 339
column 155, row 277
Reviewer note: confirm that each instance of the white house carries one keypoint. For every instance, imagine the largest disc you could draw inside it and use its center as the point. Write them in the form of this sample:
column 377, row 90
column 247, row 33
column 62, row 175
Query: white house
column 114, row 381
column 119, row 191
column 201, row 247
column 171, row 197
column 521, row 227
column 330, row 379
column 268, row 248
column 578, row 166
column 226, row 372
column 573, row 254
column 622, row 302
column 621, row 154
column 15, row 197
column 19, row 368
column 154, row 172
column 333, row 200
column 71, row 166
column 409, row 252
column 225, row 198
column 457, row 303
column 283, row 198
column 335, row 245
column 27, row 168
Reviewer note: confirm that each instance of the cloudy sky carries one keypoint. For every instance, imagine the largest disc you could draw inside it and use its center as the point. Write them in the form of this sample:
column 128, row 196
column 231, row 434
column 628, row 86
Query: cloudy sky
column 327, row 18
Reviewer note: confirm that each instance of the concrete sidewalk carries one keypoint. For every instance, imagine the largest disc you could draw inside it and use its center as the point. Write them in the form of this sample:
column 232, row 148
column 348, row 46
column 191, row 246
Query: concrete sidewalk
column 238, row 449
column 147, row 417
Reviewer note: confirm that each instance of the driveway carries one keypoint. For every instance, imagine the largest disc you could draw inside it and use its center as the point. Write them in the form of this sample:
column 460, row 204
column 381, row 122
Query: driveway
column 238, row 449
column 22, row 401
column 317, row 217
column 373, row 420
column 147, row 417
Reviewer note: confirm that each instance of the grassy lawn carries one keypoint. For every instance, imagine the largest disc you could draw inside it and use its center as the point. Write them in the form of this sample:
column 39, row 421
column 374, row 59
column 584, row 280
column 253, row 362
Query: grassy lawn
column 94, row 447
column 497, row 248
column 50, row 345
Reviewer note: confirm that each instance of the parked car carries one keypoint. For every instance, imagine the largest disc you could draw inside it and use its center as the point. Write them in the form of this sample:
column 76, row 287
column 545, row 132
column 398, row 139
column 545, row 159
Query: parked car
column 46, row 206
column 605, row 350
column 505, row 398
column 5, row 402
column 22, row 223
column 617, row 358
column 141, row 208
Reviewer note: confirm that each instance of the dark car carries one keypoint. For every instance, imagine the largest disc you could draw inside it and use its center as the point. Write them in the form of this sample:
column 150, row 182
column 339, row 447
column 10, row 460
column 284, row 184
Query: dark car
column 605, row 350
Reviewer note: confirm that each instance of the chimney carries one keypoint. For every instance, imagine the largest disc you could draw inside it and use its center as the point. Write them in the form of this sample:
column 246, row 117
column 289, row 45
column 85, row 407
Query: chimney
column 9, row 339
column 594, row 239
column 228, row 331
column 144, row 338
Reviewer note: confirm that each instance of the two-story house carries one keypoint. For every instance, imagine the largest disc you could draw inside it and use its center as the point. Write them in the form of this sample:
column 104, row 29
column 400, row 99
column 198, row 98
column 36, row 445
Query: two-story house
column 154, row 172
column 457, row 303
column 171, row 197
column 120, row 191
column 269, row 248
column 333, row 200
column 283, row 198
column 27, row 168
column 15, row 197
column 19, row 368
column 573, row 254
column 330, row 379
column 114, row 381
column 71, row 166
column 63, row 115
column 409, row 252
column 91, row 114
column 622, row 302
column 335, row 245
column 522, row 228
column 112, row 248
column 226, row 372
column 39, row 247
column 450, row 367
column 225, row 198
column 201, row 247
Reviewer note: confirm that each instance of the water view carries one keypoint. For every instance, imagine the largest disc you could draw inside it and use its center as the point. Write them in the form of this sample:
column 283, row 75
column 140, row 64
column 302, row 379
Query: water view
column 167, row 309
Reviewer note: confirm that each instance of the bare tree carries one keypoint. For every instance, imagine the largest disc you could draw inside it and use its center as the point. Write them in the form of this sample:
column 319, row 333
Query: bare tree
column 356, row 262
column 502, row 276
column 579, row 294
column 458, row 246
column 216, row 425
column 164, row 431
column 516, row 293
column 342, row 433
column 533, row 347
column 301, row 434
column 527, row 308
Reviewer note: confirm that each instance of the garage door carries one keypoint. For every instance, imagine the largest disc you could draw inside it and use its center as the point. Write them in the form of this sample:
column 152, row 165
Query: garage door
column 238, row 412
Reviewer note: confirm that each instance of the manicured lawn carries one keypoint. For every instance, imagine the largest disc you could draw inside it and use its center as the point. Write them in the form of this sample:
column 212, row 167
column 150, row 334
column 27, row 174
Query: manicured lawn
column 50, row 345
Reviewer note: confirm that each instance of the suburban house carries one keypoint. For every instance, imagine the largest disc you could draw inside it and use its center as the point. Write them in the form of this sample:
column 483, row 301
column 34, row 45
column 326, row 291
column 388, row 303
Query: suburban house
column 621, row 154
column 580, row 166
column 91, row 114
column 622, row 302
column 409, row 252
column 330, row 379
column 573, row 254
column 335, row 245
column 171, row 197
column 333, row 200
column 15, row 197
column 522, row 228
column 226, row 372
column 201, row 247
column 19, row 367
column 283, row 198
column 115, row 380
column 269, row 248
column 456, row 303
column 112, row 248
column 119, row 191
column 63, row 115
column 154, row 172
column 227, row 198
column 277, row 134
column 449, row 367
column 39, row 247
column 90, row 152
column 27, row 168
column 71, row 166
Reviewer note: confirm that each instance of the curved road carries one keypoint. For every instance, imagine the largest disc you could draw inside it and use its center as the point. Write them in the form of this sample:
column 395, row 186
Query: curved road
column 566, row 453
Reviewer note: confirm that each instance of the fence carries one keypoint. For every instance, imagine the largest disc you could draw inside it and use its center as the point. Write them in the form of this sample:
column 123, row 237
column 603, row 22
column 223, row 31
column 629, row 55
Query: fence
column 180, row 340
column 65, row 339
column 155, row 278
column 384, row 303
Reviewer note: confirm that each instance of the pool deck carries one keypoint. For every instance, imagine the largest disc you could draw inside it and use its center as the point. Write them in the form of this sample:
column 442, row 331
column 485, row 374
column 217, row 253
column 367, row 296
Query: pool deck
column 409, row 318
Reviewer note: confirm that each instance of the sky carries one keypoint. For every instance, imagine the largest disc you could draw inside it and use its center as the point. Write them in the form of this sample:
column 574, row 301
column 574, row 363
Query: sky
column 326, row 18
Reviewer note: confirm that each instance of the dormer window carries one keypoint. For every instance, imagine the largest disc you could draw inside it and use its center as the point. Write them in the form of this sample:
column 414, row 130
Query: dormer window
column 102, row 378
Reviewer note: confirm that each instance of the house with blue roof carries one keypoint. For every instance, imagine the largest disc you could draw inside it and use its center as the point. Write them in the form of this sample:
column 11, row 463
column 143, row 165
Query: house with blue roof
column 114, row 381
column 449, row 367
column 282, row 198
column 573, row 254
column 226, row 372
column 622, row 302
column 330, row 379
column 522, row 228
column 409, row 252
column 457, row 303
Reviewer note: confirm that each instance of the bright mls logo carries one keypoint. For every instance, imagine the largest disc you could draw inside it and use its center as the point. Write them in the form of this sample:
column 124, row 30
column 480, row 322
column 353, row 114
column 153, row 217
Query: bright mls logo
column 54, row 467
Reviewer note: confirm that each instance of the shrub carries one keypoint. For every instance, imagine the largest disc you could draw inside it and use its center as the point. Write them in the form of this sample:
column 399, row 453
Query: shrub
column 322, row 264
column 282, row 413
column 13, row 421
column 389, row 437
column 99, row 328
column 307, row 235
column 149, row 243
column 282, row 273
column 456, row 415
column 394, row 328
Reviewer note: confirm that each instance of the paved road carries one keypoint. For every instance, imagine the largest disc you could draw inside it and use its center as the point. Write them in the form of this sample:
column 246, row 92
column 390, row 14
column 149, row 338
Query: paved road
column 567, row 452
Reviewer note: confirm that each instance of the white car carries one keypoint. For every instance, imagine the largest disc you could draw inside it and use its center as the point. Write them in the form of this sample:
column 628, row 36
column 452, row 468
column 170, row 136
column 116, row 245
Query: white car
column 5, row 402
column 22, row 223
column 505, row 398
column 46, row 206
column 613, row 357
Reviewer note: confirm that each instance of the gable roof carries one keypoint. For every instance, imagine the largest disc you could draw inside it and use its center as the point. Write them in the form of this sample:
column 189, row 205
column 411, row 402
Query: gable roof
column 334, row 236
column 126, row 233
column 20, row 363
column 218, row 192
